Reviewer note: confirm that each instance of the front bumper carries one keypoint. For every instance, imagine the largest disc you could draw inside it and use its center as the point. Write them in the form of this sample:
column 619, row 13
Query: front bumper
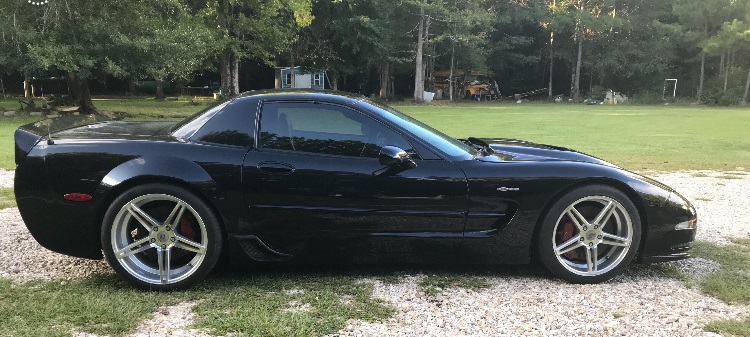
column 667, row 237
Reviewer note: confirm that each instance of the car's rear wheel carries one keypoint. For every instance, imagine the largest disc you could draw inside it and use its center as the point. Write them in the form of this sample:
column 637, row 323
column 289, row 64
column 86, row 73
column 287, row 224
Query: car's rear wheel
column 590, row 235
column 161, row 237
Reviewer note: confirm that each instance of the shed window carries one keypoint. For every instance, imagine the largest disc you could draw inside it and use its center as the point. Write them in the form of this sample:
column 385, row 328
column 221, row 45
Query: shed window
column 317, row 79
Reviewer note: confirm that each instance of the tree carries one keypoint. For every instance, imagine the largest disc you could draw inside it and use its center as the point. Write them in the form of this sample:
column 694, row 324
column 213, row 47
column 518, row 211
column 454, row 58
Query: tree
column 350, row 37
column 147, row 38
column 702, row 18
column 171, row 45
column 422, row 38
column 17, row 32
column 579, row 38
column 464, row 24
column 79, row 38
column 733, row 36
column 258, row 30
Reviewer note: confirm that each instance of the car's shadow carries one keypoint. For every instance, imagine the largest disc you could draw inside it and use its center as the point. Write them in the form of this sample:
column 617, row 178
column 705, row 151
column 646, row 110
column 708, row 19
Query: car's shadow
column 386, row 272
column 236, row 271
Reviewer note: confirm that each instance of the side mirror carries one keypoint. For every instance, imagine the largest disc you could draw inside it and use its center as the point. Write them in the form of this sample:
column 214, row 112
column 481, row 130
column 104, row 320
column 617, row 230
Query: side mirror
column 394, row 156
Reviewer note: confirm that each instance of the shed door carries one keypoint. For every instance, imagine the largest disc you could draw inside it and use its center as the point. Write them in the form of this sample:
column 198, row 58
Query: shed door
column 303, row 81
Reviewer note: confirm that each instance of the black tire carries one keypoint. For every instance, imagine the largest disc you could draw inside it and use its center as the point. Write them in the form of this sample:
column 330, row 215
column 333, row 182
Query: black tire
column 177, row 227
column 567, row 249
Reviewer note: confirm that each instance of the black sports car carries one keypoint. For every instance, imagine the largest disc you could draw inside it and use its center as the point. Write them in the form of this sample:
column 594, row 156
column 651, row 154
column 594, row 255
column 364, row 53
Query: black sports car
column 324, row 176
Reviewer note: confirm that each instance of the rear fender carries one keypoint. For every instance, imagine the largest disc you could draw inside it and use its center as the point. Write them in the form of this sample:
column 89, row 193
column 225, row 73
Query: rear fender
column 154, row 168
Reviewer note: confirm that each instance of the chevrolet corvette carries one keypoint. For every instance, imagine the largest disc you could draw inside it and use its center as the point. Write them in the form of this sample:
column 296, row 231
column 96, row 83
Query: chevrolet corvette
column 328, row 176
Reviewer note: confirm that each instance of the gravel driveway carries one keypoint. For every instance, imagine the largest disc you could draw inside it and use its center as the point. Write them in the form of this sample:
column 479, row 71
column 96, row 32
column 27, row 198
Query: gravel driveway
column 642, row 302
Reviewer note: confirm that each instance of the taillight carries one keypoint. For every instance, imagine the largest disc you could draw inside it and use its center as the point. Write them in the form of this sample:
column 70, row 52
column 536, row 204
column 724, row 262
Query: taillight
column 77, row 197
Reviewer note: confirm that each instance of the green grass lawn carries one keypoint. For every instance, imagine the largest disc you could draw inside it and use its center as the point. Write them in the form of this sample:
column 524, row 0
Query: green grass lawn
column 730, row 284
column 8, row 125
column 635, row 137
column 7, row 198
column 266, row 305
column 148, row 108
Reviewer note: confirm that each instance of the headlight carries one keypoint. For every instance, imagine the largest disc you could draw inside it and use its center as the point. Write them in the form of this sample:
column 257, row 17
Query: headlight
column 690, row 224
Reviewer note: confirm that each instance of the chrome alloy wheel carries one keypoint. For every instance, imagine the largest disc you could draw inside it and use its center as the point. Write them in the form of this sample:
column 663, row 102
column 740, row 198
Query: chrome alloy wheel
column 592, row 236
column 159, row 239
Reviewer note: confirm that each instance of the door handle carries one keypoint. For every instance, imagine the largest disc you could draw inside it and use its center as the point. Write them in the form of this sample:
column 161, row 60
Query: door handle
column 276, row 167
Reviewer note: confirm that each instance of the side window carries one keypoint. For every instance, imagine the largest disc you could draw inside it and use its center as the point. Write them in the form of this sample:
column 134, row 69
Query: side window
column 322, row 128
column 233, row 125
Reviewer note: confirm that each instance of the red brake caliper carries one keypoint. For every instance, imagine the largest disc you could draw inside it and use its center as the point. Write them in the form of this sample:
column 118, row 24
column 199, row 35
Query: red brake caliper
column 565, row 234
column 186, row 229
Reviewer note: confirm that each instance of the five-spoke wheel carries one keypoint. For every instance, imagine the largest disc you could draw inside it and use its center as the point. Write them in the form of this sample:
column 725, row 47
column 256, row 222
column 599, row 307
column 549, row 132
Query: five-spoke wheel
column 161, row 237
column 590, row 235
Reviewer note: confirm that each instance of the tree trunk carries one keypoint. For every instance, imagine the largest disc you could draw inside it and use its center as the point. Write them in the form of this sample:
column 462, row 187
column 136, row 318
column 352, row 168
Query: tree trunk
column 131, row 86
column 450, row 78
column 293, row 78
column 30, row 106
column 551, row 62
column 385, row 76
column 577, row 79
column 235, row 75
column 85, row 105
column 73, row 87
column 159, row 90
column 747, row 87
column 551, row 54
column 572, row 80
column 335, row 83
column 426, row 60
column 726, row 72
column 703, row 73
column 703, row 67
column 27, row 87
column 392, row 86
column 79, row 89
column 419, row 69
column 229, row 73
column 225, row 72
column 228, row 61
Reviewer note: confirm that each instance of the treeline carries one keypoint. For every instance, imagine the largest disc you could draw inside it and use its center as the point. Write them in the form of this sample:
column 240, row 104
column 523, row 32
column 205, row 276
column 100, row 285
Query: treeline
column 576, row 48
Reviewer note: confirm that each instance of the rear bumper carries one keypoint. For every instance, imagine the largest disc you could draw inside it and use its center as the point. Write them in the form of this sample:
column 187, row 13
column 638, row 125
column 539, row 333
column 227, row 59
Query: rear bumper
column 62, row 226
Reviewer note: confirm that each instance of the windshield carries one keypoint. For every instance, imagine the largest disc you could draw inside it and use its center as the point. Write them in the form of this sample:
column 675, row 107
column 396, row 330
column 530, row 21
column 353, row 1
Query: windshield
column 446, row 144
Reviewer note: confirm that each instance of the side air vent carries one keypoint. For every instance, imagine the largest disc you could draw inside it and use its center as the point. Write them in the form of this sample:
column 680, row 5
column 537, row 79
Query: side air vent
column 259, row 251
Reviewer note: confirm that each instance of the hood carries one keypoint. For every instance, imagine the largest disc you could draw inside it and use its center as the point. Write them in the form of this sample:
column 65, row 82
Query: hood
column 519, row 150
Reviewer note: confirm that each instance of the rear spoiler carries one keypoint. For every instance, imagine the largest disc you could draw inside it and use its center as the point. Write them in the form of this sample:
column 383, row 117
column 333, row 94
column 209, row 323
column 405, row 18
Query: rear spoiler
column 26, row 136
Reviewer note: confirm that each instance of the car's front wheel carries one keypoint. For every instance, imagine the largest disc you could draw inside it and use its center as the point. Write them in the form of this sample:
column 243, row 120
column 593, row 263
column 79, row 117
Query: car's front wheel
column 161, row 237
column 590, row 235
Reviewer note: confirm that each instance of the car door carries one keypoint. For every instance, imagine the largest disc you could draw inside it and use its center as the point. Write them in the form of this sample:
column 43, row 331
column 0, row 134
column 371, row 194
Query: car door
column 314, row 184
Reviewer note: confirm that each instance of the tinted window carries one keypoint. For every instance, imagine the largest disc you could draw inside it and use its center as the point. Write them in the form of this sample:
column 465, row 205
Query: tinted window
column 233, row 125
column 448, row 145
column 322, row 128
column 188, row 126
